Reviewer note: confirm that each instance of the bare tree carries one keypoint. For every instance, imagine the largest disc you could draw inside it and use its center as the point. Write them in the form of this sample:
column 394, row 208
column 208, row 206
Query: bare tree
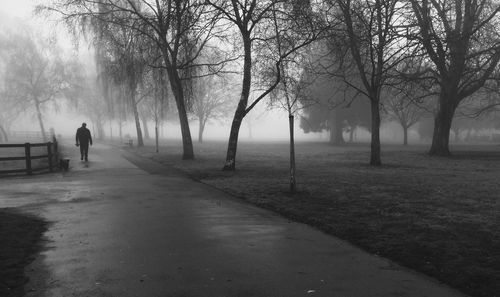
column 291, row 93
column 7, row 115
column 376, row 48
column 290, row 96
column 179, row 28
column 36, row 76
column 213, row 96
column 408, row 101
column 7, row 112
column 254, row 22
column 403, row 109
column 461, row 40
column 125, row 63
column 155, row 103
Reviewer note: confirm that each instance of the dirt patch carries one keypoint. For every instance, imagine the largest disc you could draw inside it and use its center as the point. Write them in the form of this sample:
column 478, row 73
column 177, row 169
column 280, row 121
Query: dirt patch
column 20, row 238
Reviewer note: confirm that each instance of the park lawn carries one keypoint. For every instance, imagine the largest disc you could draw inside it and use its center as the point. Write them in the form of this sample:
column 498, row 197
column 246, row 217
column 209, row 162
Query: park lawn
column 439, row 216
column 20, row 238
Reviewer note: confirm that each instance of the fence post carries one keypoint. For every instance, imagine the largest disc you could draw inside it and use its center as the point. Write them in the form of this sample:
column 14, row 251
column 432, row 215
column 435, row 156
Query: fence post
column 27, row 152
column 56, row 150
column 49, row 153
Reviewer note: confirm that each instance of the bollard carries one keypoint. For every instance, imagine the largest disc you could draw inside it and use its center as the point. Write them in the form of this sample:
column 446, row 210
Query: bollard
column 64, row 164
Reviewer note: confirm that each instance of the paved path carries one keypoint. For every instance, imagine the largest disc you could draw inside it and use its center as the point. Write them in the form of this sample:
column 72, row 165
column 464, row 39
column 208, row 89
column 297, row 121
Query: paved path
column 121, row 231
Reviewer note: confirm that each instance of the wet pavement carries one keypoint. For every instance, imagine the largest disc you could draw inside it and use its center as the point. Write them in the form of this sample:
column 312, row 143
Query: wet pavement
column 118, row 230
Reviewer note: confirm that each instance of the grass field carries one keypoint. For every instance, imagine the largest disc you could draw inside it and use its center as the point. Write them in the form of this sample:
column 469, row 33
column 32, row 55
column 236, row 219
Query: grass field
column 439, row 216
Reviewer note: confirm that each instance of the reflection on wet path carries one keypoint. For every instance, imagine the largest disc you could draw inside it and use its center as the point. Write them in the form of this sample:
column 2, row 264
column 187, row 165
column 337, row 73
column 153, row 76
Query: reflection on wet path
column 119, row 231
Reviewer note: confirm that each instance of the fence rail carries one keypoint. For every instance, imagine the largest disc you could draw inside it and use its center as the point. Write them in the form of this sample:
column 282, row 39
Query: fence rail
column 26, row 134
column 51, row 156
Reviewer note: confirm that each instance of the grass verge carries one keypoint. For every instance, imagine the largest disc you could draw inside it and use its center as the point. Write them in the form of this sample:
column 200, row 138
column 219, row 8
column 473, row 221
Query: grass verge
column 20, row 237
column 439, row 216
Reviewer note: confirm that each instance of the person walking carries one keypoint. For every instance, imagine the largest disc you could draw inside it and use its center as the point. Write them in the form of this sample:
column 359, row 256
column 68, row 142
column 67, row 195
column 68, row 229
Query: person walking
column 83, row 139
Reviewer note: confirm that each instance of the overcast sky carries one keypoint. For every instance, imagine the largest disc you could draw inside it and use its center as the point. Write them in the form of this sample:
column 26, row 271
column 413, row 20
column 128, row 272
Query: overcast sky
column 23, row 9
column 18, row 8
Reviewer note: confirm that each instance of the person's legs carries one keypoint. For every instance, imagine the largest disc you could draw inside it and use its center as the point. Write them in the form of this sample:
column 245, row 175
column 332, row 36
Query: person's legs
column 82, row 151
column 85, row 151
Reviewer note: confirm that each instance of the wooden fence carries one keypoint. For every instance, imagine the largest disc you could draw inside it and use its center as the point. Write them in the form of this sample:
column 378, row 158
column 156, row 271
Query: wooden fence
column 27, row 135
column 51, row 156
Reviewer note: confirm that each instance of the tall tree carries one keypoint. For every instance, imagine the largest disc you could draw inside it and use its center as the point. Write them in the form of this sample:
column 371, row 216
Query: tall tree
column 253, row 20
column 161, row 102
column 167, row 23
column 154, row 98
column 291, row 87
column 123, row 61
column 36, row 76
column 462, row 41
column 376, row 47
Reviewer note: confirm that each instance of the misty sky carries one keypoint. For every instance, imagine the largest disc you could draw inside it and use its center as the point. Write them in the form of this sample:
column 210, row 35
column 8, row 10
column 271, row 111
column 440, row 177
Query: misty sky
column 270, row 125
column 18, row 8
column 23, row 9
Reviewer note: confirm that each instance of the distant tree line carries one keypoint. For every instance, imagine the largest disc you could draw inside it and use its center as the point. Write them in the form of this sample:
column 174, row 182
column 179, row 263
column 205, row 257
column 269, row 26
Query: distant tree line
column 340, row 64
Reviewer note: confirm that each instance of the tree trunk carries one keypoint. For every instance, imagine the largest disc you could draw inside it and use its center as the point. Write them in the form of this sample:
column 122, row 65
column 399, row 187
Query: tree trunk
column 40, row 120
column 140, row 141
column 468, row 135
column 292, row 155
column 335, row 125
column 375, row 141
column 240, row 113
column 145, row 127
column 442, row 127
column 230, row 164
column 405, row 135
column 120, row 130
column 176, row 87
column 187, row 143
column 4, row 133
column 100, row 128
column 156, row 138
column 336, row 136
column 201, row 128
column 456, row 134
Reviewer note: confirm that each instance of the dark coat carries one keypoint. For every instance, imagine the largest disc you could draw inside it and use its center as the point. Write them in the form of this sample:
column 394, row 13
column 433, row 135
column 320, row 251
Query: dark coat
column 83, row 136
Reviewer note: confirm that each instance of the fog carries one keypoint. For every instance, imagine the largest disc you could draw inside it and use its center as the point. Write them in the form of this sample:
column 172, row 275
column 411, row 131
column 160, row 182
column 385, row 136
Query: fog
column 269, row 127
column 377, row 123
column 67, row 109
